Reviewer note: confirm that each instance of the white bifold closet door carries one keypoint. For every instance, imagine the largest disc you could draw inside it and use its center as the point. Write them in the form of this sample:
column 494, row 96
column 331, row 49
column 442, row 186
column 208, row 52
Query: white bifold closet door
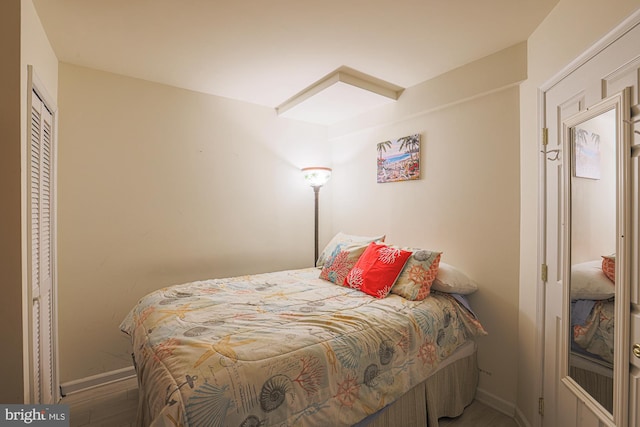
column 40, row 200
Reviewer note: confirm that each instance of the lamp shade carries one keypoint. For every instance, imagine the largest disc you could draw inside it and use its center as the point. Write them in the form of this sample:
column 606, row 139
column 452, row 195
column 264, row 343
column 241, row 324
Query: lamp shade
column 316, row 176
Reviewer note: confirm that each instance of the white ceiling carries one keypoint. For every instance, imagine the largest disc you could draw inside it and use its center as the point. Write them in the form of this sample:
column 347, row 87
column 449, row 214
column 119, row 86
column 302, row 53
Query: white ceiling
column 266, row 51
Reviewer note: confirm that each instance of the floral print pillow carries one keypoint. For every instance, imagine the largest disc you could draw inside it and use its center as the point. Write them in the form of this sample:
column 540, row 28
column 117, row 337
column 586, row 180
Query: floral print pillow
column 340, row 262
column 418, row 275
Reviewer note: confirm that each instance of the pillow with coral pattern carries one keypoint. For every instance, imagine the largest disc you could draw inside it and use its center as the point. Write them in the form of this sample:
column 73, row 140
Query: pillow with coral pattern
column 342, row 239
column 377, row 269
column 418, row 274
column 338, row 264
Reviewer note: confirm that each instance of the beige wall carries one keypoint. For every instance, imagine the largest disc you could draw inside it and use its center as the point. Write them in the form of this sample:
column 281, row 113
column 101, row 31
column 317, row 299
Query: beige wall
column 159, row 185
column 466, row 203
column 11, row 366
column 556, row 42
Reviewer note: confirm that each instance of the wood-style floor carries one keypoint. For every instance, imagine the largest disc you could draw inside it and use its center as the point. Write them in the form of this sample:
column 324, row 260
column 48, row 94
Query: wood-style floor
column 111, row 405
column 479, row 415
column 115, row 405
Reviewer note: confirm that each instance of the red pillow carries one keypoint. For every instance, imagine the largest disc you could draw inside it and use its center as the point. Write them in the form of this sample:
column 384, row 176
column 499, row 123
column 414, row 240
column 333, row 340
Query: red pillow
column 377, row 269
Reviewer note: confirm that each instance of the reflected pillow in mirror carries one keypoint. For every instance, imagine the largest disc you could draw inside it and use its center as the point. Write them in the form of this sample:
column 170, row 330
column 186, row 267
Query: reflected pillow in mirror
column 609, row 266
column 589, row 282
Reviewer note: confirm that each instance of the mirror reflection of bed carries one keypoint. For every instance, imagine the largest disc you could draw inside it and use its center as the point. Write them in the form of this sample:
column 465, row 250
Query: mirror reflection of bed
column 592, row 322
column 592, row 256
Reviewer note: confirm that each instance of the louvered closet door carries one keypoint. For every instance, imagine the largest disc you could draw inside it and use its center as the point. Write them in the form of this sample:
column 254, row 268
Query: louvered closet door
column 41, row 226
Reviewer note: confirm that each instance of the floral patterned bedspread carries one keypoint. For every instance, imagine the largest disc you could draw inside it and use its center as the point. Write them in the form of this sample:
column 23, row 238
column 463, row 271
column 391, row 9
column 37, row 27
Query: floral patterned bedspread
column 284, row 349
column 596, row 334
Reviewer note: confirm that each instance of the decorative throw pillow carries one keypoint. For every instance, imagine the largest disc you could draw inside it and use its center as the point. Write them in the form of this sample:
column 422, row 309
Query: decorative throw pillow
column 344, row 239
column 377, row 269
column 609, row 266
column 418, row 274
column 341, row 261
column 454, row 281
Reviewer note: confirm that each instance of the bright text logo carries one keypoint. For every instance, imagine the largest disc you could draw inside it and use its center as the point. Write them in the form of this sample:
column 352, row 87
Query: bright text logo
column 37, row 415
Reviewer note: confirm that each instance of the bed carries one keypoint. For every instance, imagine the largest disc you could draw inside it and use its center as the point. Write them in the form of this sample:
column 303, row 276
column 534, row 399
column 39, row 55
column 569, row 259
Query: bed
column 592, row 308
column 291, row 349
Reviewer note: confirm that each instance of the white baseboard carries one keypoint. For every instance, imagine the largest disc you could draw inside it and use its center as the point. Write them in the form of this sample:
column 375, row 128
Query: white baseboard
column 520, row 419
column 503, row 406
column 97, row 380
column 496, row 403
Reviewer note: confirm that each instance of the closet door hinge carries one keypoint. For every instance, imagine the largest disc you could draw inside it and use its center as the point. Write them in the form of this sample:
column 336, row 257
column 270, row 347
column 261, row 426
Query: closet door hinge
column 544, row 270
column 545, row 136
column 541, row 405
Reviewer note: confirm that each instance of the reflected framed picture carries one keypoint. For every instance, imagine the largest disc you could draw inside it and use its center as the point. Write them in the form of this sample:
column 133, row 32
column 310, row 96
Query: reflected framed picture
column 399, row 159
column 586, row 154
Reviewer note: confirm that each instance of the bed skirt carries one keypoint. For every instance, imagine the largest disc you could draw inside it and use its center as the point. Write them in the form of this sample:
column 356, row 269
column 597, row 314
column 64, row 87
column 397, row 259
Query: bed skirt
column 595, row 376
column 444, row 394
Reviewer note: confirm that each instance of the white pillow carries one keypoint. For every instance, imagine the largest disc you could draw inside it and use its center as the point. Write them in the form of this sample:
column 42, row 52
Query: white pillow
column 589, row 282
column 451, row 280
column 344, row 239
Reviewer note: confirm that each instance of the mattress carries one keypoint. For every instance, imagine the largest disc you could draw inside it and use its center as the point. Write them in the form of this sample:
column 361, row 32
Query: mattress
column 285, row 348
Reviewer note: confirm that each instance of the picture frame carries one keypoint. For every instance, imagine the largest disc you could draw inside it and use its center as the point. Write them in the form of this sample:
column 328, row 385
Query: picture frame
column 399, row 159
column 586, row 154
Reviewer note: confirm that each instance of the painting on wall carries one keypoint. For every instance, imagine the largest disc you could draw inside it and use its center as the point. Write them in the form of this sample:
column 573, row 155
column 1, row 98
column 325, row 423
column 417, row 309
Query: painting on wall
column 399, row 159
column 586, row 154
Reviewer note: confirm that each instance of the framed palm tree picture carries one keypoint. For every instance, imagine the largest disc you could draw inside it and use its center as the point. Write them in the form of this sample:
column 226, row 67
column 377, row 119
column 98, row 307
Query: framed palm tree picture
column 399, row 159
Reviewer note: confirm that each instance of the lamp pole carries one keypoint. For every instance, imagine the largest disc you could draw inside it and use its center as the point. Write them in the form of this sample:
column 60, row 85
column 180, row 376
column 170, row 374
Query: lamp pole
column 316, row 192
column 316, row 176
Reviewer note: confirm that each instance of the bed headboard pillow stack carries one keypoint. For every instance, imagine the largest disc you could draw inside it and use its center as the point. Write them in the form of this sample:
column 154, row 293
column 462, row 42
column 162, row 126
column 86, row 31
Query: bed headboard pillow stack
column 366, row 264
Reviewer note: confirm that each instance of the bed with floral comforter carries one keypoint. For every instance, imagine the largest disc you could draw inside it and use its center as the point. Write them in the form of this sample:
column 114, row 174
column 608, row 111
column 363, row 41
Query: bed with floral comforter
column 594, row 333
column 284, row 349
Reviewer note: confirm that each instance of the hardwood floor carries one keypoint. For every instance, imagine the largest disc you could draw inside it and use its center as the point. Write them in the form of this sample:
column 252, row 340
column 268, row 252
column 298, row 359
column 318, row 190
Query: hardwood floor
column 115, row 405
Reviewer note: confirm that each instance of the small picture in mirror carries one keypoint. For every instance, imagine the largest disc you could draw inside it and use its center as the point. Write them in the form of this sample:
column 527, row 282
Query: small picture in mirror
column 586, row 154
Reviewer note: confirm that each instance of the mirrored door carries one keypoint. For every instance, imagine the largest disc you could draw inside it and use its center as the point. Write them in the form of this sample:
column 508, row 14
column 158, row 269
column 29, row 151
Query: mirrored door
column 596, row 182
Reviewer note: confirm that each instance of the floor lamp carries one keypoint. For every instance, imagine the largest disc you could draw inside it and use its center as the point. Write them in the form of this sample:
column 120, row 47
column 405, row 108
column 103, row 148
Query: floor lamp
column 316, row 177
